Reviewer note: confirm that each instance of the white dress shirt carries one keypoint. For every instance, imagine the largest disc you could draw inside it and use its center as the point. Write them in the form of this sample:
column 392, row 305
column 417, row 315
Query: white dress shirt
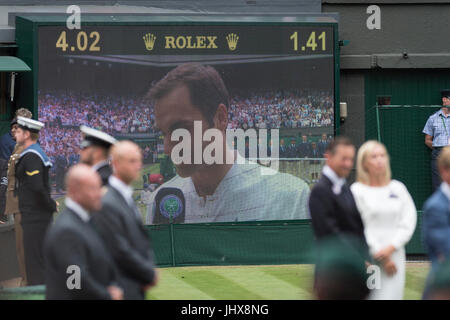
column 445, row 188
column 75, row 207
column 337, row 182
column 125, row 190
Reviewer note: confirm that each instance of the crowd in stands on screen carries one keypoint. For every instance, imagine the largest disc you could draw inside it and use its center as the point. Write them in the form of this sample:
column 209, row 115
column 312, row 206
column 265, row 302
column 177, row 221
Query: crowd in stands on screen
column 64, row 112
column 113, row 115
column 281, row 109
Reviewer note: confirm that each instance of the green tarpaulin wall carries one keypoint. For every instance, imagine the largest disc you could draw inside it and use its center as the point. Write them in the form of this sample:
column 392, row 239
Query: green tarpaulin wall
column 262, row 243
column 400, row 129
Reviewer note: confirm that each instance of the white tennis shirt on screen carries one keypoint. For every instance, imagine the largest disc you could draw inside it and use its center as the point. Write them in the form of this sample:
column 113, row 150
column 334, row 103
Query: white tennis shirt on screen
column 244, row 194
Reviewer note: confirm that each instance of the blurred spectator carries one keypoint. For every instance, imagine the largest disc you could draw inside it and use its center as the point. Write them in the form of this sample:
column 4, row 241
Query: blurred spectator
column 341, row 270
column 7, row 142
column 389, row 216
column 331, row 204
column 436, row 219
column 439, row 287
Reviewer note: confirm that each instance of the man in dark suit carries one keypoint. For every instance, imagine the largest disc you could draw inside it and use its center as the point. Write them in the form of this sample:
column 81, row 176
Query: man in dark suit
column 331, row 204
column 322, row 145
column 120, row 224
column 436, row 220
column 60, row 170
column 77, row 264
column 304, row 147
column 292, row 149
column 95, row 151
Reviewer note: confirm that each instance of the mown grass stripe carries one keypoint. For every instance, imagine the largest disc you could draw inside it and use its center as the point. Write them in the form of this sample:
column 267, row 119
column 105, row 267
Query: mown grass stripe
column 172, row 287
column 411, row 294
column 267, row 286
column 218, row 286
column 299, row 276
column 256, row 282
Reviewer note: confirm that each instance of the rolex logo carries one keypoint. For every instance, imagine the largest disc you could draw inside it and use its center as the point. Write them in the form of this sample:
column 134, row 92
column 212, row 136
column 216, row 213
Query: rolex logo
column 149, row 40
column 232, row 40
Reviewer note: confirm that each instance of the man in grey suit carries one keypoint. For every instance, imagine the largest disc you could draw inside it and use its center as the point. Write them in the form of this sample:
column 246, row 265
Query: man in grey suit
column 77, row 265
column 120, row 224
column 436, row 221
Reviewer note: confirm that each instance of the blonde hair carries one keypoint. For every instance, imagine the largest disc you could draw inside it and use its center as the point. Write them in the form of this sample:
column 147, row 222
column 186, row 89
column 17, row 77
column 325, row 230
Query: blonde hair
column 444, row 158
column 362, row 174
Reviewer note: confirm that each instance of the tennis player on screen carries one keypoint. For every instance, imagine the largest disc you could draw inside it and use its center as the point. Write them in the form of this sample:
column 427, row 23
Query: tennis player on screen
column 225, row 192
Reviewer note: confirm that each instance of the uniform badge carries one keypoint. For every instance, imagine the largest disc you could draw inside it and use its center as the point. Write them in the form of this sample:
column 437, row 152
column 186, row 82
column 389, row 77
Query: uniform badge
column 32, row 173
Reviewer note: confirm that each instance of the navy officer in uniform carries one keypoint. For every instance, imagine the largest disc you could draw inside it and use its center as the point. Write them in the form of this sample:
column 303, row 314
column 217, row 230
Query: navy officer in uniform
column 33, row 191
column 437, row 135
column 95, row 151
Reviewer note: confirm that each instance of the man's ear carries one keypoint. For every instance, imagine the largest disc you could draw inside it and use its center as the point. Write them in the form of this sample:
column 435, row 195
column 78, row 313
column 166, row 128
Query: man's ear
column 221, row 117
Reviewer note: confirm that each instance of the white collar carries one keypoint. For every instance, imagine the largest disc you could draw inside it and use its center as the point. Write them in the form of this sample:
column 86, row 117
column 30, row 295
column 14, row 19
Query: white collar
column 75, row 207
column 125, row 190
column 95, row 167
column 445, row 188
column 334, row 178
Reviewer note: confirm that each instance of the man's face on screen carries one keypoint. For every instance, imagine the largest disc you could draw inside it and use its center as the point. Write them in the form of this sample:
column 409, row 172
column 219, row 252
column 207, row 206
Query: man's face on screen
column 175, row 111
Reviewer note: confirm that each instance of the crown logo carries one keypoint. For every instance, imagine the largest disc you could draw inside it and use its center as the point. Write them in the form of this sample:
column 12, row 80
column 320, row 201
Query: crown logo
column 149, row 40
column 232, row 40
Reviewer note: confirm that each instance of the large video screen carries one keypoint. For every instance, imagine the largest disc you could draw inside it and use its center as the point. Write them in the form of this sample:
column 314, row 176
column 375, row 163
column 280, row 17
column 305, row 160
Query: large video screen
column 280, row 113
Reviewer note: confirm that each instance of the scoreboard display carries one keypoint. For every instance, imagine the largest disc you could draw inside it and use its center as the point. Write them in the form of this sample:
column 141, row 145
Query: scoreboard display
column 282, row 73
column 189, row 40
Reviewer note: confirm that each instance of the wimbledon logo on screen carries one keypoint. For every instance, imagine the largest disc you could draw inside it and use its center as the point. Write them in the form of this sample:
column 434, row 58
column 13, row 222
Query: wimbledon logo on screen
column 171, row 206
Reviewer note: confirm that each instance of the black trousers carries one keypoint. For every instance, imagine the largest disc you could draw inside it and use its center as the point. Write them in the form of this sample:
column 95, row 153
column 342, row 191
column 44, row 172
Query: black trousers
column 33, row 242
column 435, row 177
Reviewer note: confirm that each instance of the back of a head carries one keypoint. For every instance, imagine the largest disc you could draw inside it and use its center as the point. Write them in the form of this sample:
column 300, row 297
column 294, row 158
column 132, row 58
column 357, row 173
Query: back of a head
column 75, row 177
column 123, row 148
column 340, row 269
column 440, row 282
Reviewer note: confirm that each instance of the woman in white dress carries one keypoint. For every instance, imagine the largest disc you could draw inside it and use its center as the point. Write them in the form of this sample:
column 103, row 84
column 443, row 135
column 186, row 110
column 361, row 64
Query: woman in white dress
column 389, row 217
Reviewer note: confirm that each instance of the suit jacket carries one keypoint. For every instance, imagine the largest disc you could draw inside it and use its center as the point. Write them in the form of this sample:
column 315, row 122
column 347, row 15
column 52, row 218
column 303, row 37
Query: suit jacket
column 304, row 149
column 104, row 171
column 71, row 241
column 436, row 226
column 7, row 144
column 128, row 243
column 334, row 215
